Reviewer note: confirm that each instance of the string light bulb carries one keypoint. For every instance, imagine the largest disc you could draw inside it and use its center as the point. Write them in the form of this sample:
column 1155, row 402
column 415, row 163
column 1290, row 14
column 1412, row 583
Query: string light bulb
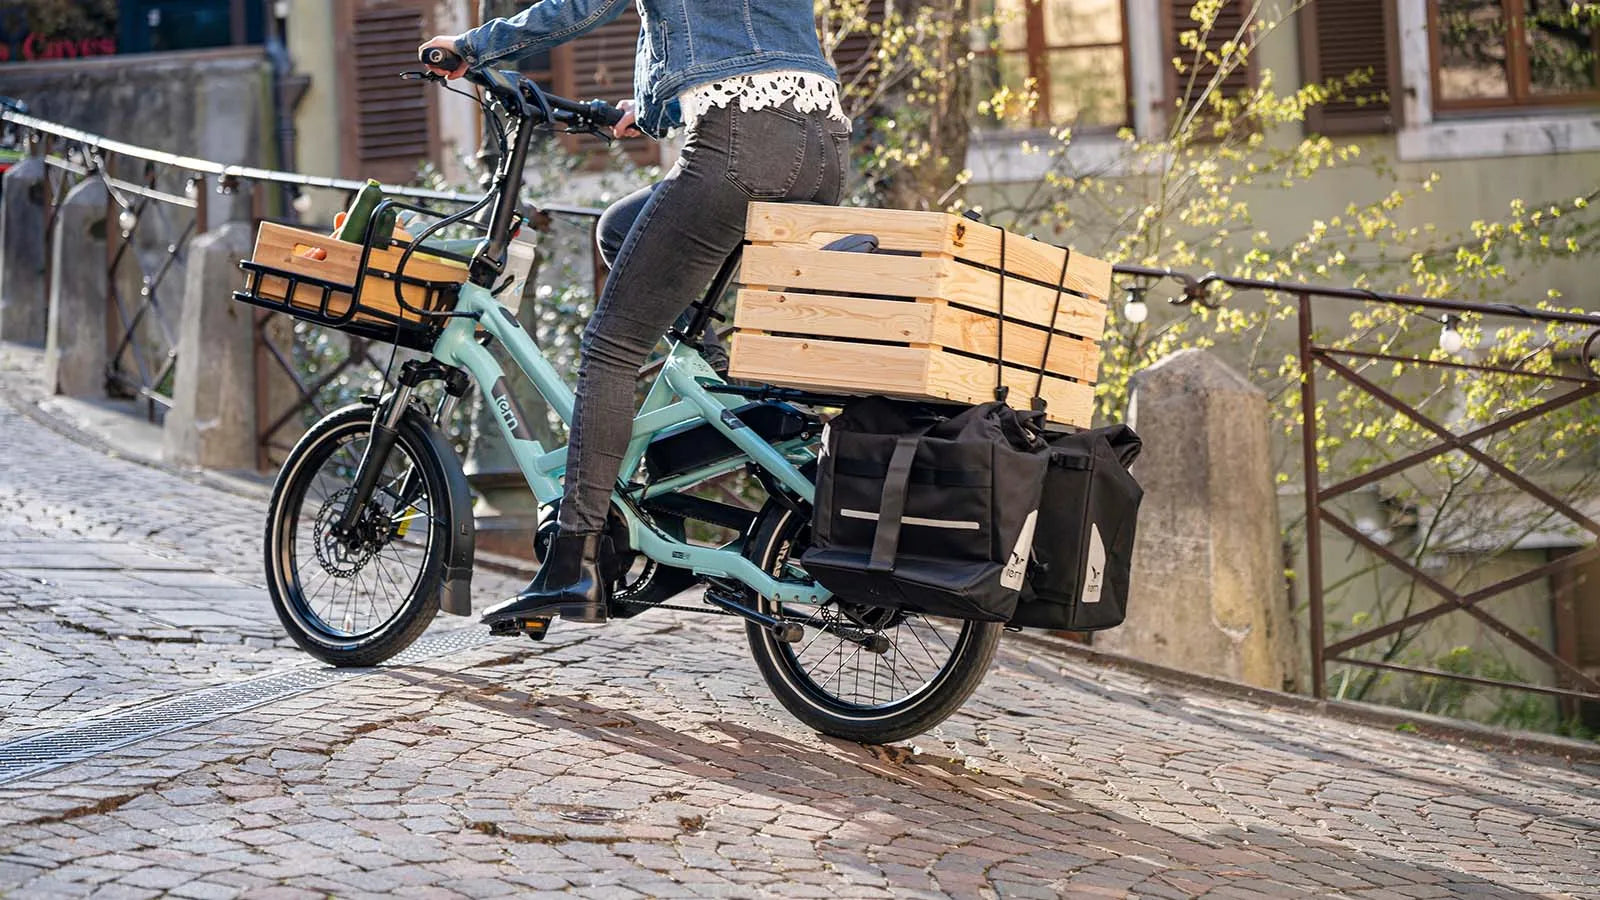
column 128, row 220
column 1134, row 310
column 302, row 203
column 1450, row 339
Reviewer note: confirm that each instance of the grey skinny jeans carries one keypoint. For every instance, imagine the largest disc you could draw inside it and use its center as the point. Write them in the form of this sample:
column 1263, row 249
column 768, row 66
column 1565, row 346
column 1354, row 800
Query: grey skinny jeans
column 682, row 230
column 615, row 223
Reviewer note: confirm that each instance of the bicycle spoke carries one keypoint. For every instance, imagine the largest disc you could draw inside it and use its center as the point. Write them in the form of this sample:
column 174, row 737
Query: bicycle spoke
column 355, row 588
column 925, row 649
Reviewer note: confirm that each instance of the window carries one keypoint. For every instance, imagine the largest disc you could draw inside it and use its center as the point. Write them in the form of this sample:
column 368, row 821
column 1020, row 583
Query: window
column 1351, row 39
column 390, row 121
column 188, row 24
column 1490, row 54
column 1188, row 86
column 1073, row 53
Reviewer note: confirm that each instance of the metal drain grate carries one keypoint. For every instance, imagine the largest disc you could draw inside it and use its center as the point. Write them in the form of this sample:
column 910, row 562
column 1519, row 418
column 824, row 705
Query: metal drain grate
column 42, row 752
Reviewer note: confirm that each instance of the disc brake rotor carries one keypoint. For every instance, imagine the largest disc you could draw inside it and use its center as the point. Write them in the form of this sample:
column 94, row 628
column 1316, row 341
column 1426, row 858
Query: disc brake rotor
column 339, row 558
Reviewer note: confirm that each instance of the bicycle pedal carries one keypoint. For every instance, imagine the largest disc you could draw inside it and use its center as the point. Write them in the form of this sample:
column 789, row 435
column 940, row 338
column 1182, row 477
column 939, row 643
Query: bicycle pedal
column 535, row 627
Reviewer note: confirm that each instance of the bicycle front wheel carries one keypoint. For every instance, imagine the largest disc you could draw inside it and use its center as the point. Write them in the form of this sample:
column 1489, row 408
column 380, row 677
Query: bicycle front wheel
column 357, row 600
column 861, row 673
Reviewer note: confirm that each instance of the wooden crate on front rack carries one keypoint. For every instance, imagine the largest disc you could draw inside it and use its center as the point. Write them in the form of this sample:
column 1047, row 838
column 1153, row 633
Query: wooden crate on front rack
column 286, row 250
column 920, row 318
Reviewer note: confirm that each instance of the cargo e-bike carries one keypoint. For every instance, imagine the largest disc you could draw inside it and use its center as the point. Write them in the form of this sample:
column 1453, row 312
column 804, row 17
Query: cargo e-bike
column 370, row 529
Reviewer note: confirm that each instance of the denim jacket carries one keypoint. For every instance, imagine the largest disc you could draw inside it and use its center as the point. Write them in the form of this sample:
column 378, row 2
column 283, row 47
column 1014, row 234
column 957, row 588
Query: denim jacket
column 683, row 43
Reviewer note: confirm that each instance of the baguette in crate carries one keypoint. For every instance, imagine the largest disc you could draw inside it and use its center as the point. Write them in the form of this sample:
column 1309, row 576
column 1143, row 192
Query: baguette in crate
column 920, row 318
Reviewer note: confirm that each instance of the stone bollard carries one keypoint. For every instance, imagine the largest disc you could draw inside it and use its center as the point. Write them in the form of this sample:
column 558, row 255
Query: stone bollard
column 75, row 341
column 24, row 295
column 212, row 422
column 1208, row 592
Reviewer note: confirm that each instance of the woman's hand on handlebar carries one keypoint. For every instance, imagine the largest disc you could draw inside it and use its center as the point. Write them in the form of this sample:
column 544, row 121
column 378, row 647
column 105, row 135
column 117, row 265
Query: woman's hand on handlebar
column 447, row 43
column 624, row 127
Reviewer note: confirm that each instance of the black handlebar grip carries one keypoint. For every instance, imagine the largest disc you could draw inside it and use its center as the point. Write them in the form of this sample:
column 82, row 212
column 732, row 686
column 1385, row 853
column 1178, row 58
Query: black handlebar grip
column 605, row 113
column 440, row 58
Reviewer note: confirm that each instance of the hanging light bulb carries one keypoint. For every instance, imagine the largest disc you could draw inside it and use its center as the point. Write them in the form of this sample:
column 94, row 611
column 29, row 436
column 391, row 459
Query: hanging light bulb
column 128, row 220
column 1450, row 340
column 302, row 203
column 1134, row 309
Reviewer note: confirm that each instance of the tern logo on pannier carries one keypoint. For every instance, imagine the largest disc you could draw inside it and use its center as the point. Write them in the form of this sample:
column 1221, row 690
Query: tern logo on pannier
column 1017, row 567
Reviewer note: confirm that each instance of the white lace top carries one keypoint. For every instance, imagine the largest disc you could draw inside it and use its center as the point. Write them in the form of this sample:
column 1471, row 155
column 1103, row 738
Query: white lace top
column 810, row 93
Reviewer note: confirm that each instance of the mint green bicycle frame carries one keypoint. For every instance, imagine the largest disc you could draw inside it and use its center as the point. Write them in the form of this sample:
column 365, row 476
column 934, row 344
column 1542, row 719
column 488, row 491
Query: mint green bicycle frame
column 676, row 400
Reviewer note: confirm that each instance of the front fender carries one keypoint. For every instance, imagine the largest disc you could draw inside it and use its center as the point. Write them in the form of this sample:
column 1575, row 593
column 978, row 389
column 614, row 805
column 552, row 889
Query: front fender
column 455, row 587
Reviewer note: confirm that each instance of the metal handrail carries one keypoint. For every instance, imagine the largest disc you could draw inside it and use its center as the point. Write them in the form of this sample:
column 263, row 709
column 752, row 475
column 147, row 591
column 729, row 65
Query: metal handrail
column 250, row 173
column 1194, row 291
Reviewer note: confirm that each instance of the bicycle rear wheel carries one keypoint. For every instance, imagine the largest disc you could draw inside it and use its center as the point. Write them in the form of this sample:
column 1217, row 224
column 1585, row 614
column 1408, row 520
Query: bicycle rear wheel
column 836, row 684
column 358, row 600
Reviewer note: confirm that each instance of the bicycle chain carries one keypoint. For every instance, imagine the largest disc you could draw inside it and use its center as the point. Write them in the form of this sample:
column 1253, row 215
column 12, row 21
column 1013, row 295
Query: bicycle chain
column 674, row 606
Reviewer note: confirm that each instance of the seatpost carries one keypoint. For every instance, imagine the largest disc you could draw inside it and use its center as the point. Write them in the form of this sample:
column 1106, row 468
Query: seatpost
column 706, row 309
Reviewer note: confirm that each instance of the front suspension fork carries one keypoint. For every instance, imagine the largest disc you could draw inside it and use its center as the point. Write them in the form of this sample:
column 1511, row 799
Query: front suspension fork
column 386, row 430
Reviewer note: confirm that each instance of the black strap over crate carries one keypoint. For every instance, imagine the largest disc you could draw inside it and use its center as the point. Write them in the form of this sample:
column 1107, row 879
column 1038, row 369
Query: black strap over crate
column 1001, row 391
column 1039, row 404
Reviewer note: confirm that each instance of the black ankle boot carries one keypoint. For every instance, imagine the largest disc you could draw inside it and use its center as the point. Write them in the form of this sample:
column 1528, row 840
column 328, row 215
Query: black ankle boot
column 569, row 585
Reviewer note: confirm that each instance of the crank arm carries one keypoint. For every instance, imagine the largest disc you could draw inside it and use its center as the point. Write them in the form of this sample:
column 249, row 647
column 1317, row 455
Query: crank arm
column 870, row 641
column 784, row 630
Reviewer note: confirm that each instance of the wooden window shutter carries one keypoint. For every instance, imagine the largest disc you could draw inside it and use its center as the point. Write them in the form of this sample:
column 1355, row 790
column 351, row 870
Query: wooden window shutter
column 1230, row 18
column 599, row 66
column 393, row 123
column 854, row 57
column 1339, row 38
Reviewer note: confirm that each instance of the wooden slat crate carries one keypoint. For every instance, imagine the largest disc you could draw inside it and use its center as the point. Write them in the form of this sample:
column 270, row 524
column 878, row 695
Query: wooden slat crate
column 281, row 247
column 920, row 318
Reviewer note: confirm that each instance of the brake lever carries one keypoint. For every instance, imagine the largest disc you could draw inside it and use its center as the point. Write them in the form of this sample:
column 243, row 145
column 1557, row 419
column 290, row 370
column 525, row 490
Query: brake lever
column 598, row 131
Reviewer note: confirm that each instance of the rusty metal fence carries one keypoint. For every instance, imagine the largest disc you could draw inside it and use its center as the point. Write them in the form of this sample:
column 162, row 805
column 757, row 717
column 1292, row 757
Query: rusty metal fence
column 158, row 203
column 1547, row 376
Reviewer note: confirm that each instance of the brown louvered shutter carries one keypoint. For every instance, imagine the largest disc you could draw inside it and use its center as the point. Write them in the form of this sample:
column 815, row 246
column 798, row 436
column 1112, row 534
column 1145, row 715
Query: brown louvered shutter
column 1230, row 18
column 393, row 130
column 599, row 66
column 853, row 57
column 1339, row 38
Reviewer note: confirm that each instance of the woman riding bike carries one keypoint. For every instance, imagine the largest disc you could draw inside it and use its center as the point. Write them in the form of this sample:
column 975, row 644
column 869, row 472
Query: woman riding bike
column 748, row 81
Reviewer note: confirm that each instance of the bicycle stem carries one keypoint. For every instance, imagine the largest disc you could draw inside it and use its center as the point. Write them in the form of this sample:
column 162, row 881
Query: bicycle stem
column 490, row 262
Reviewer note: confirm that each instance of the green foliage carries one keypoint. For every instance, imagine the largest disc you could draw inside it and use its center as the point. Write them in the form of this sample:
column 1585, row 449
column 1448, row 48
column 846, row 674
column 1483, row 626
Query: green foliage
column 1197, row 197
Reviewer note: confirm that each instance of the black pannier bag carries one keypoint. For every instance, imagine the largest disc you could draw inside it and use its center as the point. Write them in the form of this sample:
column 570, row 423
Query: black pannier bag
column 1083, row 547
column 925, row 508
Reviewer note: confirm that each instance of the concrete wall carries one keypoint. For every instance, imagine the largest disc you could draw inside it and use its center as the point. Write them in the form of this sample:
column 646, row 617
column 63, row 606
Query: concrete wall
column 211, row 104
column 310, row 36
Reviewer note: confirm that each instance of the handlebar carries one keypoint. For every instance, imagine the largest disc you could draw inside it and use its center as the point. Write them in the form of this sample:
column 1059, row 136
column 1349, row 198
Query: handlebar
column 591, row 114
column 440, row 58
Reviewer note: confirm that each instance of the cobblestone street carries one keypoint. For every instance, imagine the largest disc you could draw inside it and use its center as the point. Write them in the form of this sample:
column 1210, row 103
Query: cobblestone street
column 647, row 758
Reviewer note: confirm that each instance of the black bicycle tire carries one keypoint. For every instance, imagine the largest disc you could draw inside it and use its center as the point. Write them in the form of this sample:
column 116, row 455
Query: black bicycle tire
column 421, row 605
column 955, row 682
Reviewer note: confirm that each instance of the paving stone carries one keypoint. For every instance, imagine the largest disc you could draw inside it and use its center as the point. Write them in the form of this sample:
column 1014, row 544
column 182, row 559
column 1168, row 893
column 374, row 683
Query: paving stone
column 646, row 760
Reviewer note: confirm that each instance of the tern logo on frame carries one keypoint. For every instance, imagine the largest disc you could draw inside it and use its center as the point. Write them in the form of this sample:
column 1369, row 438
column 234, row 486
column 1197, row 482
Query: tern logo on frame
column 507, row 408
